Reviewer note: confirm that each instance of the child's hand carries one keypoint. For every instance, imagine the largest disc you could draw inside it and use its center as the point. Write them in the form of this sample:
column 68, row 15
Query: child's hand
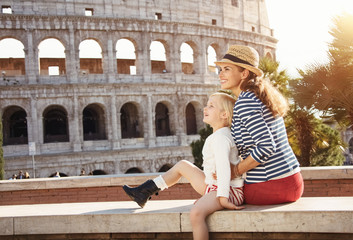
column 228, row 205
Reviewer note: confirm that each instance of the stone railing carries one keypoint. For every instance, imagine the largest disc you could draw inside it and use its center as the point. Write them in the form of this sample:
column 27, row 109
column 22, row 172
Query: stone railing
column 95, row 208
column 319, row 182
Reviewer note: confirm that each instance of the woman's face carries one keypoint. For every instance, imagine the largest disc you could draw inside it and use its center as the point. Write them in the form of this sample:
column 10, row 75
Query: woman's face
column 230, row 77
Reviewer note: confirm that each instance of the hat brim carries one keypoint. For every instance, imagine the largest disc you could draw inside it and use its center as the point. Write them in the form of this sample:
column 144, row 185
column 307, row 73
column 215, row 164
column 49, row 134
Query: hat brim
column 255, row 70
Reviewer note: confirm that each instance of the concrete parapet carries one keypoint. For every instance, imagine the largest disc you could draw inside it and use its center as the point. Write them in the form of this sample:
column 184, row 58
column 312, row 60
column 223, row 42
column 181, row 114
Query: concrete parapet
column 319, row 182
column 333, row 215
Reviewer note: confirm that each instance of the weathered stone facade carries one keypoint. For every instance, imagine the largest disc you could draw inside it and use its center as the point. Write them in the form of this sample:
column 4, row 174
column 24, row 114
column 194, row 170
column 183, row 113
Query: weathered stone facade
column 107, row 118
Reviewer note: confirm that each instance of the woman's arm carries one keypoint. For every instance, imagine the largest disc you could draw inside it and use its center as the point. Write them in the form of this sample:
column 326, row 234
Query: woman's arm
column 243, row 166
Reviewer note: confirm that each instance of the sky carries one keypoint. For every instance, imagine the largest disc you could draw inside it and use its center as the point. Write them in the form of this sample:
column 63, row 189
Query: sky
column 302, row 29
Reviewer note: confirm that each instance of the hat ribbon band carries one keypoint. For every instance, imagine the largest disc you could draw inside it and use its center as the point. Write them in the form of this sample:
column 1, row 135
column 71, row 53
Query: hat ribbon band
column 236, row 59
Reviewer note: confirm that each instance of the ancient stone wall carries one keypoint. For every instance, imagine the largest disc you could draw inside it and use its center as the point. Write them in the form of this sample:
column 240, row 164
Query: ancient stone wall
column 98, row 113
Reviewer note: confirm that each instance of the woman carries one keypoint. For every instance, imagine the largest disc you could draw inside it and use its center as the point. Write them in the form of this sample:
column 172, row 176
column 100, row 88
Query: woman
column 218, row 152
column 272, row 170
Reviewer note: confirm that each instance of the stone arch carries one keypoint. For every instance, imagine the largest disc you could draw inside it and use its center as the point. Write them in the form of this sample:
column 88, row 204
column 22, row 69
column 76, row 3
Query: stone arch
column 187, row 58
column 15, row 129
column 211, row 58
column 51, row 55
column 12, row 64
column 93, row 122
column 55, row 124
column 196, row 56
column 98, row 172
column 158, row 56
column 131, row 120
column 133, row 170
column 193, row 117
column 269, row 55
column 90, row 55
column 190, row 115
column 162, row 119
column 61, row 174
column 165, row 167
column 126, row 56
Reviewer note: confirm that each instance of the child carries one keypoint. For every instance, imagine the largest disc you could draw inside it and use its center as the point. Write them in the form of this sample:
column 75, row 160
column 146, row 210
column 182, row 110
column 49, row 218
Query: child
column 218, row 152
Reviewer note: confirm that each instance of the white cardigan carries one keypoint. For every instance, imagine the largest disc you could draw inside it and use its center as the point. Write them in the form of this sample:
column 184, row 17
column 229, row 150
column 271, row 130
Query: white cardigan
column 218, row 151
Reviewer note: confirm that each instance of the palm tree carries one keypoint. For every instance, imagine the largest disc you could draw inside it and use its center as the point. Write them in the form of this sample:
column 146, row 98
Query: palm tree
column 278, row 78
column 300, row 130
column 313, row 142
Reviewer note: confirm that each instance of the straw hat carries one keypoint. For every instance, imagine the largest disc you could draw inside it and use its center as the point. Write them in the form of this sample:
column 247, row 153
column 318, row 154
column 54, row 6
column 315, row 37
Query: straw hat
column 243, row 56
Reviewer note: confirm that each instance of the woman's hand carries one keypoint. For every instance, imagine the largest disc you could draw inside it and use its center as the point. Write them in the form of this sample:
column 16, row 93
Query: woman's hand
column 232, row 172
column 228, row 205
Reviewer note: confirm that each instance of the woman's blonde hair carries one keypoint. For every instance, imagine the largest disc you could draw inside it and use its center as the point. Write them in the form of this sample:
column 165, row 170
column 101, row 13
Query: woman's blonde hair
column 227, row 103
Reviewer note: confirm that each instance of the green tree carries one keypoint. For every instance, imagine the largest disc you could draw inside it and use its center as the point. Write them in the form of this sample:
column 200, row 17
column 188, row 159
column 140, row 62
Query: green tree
column 328, row 147
column 329, row 87
column 313, row 142
column 279, row 79
column 198, row 145
column 2, row 161
column 300, row 130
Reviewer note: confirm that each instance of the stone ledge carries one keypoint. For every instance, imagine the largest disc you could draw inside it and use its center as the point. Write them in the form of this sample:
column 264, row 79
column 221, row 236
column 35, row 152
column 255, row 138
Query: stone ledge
column 307, row 215
column 309, row 173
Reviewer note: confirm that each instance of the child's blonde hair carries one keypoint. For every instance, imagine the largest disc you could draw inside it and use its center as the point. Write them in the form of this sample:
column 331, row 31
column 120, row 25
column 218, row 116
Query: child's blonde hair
column 227, row 103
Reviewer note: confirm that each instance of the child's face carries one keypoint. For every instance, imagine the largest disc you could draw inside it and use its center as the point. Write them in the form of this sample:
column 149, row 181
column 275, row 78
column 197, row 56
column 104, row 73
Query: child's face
column 213, row 114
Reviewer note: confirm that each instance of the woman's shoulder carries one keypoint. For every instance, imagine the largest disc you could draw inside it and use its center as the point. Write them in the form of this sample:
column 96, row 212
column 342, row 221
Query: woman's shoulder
column 247, row 100
column 247, row 96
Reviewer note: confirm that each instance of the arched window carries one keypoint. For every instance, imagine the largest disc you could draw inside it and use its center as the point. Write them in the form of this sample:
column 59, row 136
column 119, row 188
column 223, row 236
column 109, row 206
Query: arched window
column 187, row 58
column 158, row 57
column 15, row 126
column 12, row 57
column 191, row 126
column 55, row 125
column 51, row 57
column 165, row 168
column 58, row 174
column 130, row 122
column 351, row 146
column 269, row 56
column 162, row 120
column 126, row 57
column 90, row 57
column 93, row 122
column 211, row 58
column 133, row 170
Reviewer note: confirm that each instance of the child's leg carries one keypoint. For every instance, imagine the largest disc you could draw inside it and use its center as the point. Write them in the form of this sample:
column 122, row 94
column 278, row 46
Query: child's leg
column 192, row 173
column 206, row 205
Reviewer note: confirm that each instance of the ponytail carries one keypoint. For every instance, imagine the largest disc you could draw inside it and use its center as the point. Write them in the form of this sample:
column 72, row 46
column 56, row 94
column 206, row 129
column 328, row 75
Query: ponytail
column 266, row 92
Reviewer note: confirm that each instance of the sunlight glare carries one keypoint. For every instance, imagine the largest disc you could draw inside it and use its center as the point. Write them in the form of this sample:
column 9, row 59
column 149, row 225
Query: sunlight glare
column 11, row 48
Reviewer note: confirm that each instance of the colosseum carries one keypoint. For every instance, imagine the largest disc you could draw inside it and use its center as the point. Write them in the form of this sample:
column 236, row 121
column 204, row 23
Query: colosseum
column 116, row 85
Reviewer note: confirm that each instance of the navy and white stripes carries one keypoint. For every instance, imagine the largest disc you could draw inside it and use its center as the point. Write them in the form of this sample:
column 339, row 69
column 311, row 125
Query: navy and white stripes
column 257, row 133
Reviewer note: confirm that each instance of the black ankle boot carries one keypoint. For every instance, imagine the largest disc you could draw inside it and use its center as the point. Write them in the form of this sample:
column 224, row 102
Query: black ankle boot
column 142, row 193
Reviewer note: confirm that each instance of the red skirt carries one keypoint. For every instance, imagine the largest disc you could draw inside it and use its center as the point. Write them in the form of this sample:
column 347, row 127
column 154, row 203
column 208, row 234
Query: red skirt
column 288, row 189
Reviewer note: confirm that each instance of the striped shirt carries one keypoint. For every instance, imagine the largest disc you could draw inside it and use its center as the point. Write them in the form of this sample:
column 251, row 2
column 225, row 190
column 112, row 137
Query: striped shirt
column 257, row 133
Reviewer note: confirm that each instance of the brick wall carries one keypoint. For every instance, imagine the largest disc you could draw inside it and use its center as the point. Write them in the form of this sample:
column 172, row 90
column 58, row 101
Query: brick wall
column 313, row 188
column 328, row 188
